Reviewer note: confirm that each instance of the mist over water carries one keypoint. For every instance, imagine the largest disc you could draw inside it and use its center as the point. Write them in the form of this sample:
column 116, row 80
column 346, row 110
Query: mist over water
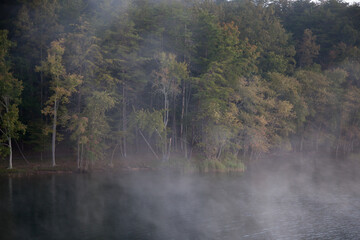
column 272, row 200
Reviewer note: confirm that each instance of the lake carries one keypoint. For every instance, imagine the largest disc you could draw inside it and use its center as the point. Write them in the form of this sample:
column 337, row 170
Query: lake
column 166, row 205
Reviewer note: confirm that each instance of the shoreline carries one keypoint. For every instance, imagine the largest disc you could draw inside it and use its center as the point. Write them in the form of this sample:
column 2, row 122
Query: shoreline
column 69, row 166
column 176, row 164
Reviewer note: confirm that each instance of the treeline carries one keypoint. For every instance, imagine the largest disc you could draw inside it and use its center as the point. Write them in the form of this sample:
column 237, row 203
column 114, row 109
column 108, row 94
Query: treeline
column 227, row 80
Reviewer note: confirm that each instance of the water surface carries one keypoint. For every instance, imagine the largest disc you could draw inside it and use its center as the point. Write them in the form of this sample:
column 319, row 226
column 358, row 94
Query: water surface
column 164, row 206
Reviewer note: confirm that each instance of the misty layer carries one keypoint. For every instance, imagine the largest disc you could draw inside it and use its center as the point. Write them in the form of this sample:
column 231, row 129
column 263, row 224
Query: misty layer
column 282, row 202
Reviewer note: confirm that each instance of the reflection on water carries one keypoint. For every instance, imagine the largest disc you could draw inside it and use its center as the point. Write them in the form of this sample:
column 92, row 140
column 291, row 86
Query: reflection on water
column 152, row 205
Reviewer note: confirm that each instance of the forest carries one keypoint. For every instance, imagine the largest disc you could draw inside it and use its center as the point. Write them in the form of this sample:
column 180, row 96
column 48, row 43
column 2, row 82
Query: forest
column 212, row 82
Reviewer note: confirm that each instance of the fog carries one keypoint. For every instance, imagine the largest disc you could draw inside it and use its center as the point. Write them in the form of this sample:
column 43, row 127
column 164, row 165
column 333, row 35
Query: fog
column 240, row 91
column 282, row 199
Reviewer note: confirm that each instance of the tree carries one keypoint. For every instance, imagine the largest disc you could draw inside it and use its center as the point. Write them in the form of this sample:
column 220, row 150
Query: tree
column 207, row 35
column 316, row 94
column 217, row 113
column 258, row 23
column 96, row 125
column 149, row 124
column 121, row 45
column 62, row 86
column 88, row 55
column 36, row 25
column 308, row 49
column 81, row 55
column 290, row 108
column 339, row 105
column 167, row 81
column 10, row 91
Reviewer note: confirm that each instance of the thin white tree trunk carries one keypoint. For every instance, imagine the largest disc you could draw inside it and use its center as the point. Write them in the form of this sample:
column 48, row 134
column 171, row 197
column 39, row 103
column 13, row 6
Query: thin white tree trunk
column 219, row 152
column 112, row 155
column 7, row 104
column 10, row 155
column 166, row 118
column 54, row 134
column 182, row 115
column 174, row 124
column 147, row 142
column 166, row 106
column 169, row 150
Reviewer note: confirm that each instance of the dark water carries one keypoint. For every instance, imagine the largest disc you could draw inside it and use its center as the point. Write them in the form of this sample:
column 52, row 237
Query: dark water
column 164, row 206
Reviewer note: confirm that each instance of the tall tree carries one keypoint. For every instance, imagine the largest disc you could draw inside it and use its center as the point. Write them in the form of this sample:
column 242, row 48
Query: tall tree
column 36, row 25
column 121, row 47
column 96, row 126
column 10, row 91
column 167, row 81
column 80, row 57
column 62, row 85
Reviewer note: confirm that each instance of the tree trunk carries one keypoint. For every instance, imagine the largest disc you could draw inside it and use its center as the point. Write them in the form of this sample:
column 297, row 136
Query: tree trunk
column 54, row 133
column 251, row 154
column 174, row 123
column 147, row 142
column 81, row 155
column 185, row 127
column 78, row 154
column 112, row 155
column 10, row 155
column 169, row 150
column 124, row 122
column 166, row 118
column 21, row 152
column 182, row 116
column 78, row 140
column 185, row 150
column 219, row 152
column 7, row 104
column 301, row 143
column 166, row 106
column 137, row 141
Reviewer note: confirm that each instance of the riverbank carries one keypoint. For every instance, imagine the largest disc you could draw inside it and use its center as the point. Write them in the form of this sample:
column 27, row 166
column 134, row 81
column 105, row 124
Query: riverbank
column 66, row 166
column 297, row 162
column 131, row 163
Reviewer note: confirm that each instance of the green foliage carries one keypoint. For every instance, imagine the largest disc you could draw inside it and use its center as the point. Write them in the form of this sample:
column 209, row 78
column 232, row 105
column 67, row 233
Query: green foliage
column 212, row 165
column 95, row 124
column 170, row 74
column 148, row 122
column 10, row 91
column 62, row 84
column 226, row 165
column 222, row 79
column 308, row 49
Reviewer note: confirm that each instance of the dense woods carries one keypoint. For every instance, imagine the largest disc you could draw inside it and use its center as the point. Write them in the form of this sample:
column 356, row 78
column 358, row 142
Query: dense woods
column 223, row 81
